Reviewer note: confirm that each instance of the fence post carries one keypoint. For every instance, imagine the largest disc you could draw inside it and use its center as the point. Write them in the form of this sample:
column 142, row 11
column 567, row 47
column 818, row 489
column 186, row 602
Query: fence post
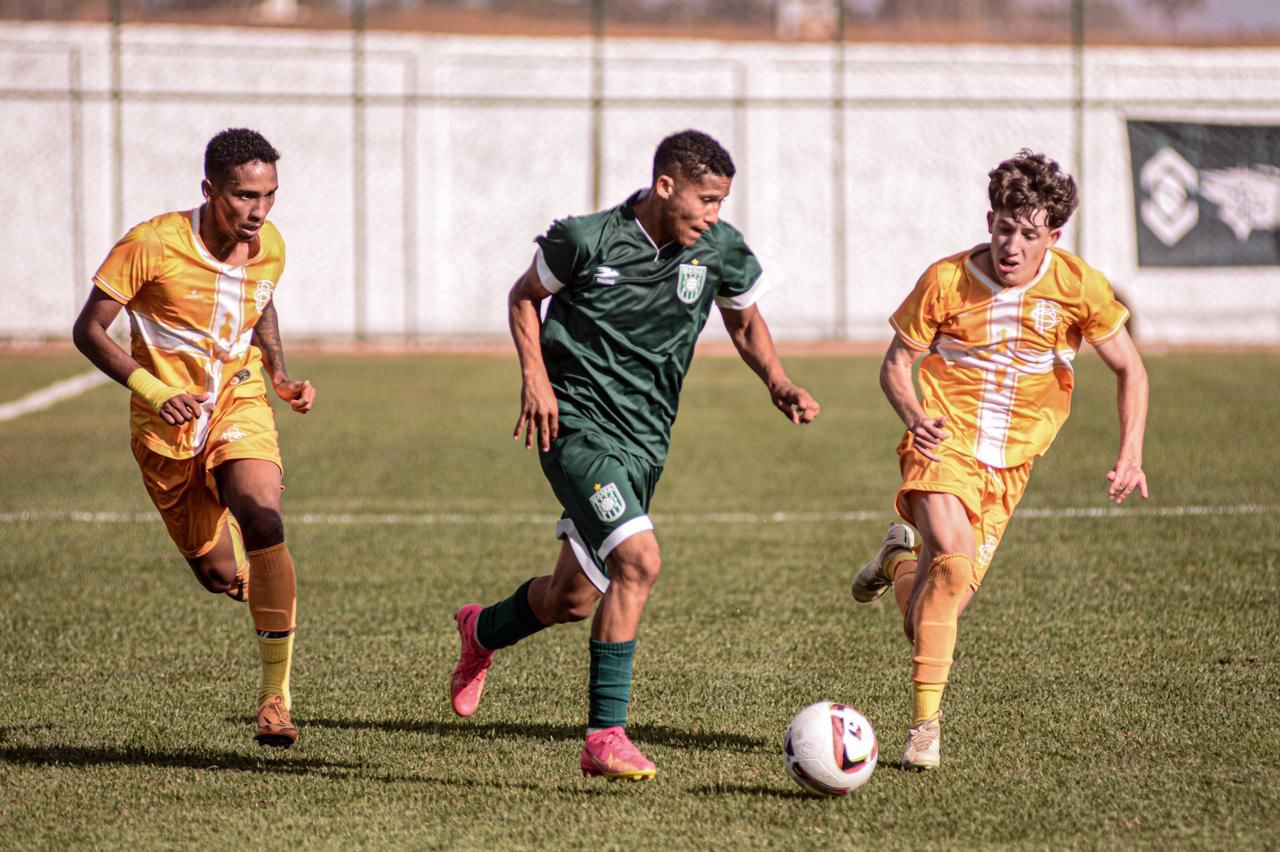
column 117, row 121
column 1077, row 39
column 839, row 200
column 597, row 102
column 359, row 251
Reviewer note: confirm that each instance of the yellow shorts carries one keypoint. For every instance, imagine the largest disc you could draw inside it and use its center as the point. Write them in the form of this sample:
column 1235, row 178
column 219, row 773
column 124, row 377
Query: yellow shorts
column 988, row 494
column 186, row 490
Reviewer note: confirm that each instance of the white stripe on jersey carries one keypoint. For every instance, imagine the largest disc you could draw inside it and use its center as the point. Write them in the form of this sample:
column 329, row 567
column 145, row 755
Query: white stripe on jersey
column 999, row 382
column 745, row 300
column 550, row 282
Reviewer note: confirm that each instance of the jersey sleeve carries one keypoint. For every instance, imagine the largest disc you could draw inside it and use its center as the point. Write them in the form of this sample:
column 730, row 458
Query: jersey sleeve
column 562, row 254
column 742, row 281
column 1102, row 314
column 132, row 262
column 918, row 317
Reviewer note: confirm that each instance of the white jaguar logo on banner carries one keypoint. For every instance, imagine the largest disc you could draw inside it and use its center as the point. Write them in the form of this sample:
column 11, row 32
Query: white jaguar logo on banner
column 1248, row 199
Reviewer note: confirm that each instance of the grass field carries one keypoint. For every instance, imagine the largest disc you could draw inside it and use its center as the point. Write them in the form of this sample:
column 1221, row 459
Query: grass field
column 1116, row 680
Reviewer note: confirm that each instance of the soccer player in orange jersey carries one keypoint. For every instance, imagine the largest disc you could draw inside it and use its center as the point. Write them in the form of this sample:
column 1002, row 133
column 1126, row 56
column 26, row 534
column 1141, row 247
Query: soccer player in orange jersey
column 999, row 327
column 198, row 286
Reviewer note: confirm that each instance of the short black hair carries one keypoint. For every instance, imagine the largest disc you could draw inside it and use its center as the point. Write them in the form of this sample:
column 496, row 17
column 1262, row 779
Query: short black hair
column 233, row 147
column 692, row 154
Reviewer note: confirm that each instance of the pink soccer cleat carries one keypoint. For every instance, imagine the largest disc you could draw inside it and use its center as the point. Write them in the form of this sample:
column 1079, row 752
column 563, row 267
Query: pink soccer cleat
column 467, row 682
column 608, row 752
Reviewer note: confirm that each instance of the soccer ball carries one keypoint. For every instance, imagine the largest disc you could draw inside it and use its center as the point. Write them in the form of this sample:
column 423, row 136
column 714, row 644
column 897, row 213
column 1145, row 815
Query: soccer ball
column 830, row 749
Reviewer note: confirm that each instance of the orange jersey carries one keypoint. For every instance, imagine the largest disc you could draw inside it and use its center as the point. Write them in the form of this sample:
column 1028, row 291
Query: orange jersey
column 191, row 320
column 999, row 366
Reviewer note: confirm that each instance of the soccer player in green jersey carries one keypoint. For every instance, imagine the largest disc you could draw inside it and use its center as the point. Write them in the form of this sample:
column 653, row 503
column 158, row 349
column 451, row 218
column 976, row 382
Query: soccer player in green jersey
column 631, row 288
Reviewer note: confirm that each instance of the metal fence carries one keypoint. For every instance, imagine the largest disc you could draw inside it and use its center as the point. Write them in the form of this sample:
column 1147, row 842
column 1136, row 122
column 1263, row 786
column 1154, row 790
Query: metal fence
column 418, row 164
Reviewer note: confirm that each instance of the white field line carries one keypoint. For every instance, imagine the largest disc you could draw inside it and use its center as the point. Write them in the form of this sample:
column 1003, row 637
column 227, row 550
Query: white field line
column 51, row 395
column 457, row 518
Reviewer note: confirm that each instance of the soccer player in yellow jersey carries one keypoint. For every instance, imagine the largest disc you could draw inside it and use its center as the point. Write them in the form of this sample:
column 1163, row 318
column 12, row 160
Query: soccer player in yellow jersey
column 999, row 327
column 198, row 286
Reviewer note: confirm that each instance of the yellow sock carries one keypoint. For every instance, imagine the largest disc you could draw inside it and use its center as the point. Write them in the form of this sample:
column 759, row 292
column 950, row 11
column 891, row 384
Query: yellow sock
column 277, row 657
column 926, row 701
column 891, row 564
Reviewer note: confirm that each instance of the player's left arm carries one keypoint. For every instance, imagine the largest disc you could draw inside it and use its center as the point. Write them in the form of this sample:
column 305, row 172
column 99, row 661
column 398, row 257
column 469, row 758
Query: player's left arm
column 300, row 394
column 1121, row 355
column 750, row 335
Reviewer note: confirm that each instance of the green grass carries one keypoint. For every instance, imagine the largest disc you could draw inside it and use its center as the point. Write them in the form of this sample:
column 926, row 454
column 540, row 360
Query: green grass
column 1115, row 685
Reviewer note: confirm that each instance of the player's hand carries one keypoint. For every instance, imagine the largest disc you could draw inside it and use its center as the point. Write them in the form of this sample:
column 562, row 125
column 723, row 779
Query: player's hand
column 539, row 412
column 796, row 403
column 182, row 408
column 928, row 433
column 1124, row 478
column 300, row 395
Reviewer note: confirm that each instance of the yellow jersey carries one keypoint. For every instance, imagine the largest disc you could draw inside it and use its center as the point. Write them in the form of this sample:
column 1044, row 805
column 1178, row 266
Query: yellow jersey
column 1000, row 362
column 191, row 320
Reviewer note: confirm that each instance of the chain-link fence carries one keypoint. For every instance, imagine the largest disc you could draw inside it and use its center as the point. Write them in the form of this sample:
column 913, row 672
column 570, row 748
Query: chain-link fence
column 426, row 143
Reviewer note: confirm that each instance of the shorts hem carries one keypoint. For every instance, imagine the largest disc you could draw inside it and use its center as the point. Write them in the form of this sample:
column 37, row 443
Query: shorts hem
column 903, row 508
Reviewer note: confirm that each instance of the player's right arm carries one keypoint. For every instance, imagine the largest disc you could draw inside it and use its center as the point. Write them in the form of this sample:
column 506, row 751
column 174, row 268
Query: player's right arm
column 91, row 337
column 539, row 411
column 895, row 380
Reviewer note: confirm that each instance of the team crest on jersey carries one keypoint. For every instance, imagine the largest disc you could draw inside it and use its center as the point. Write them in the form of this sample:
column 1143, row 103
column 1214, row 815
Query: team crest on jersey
column 608, row 503
column 689, row 284
column 262, row 294
column 1045, row 315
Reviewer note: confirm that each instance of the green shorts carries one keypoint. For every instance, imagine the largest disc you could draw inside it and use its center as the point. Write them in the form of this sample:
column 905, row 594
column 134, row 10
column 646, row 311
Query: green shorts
column 605, row 493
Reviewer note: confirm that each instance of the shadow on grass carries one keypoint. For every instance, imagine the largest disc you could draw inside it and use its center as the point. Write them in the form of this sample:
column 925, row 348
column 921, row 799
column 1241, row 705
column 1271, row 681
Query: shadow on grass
column 755, row 790
column 651, row 734
column 78, row 756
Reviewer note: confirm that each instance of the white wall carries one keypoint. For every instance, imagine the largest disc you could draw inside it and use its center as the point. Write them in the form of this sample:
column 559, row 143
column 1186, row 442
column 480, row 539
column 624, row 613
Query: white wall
column 496, row 142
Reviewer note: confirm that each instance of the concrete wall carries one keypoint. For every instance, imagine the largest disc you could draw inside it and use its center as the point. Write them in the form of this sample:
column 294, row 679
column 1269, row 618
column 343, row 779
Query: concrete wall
column 410, row 210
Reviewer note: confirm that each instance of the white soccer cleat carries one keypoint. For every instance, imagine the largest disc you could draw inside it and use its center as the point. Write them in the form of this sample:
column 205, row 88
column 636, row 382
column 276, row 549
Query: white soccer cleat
column 870, row 582
column 924, row 745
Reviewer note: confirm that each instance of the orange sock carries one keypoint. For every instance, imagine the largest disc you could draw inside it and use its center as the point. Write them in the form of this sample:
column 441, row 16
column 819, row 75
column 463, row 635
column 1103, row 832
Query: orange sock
column 938, row 611
column 273, row 599
column 273, row 589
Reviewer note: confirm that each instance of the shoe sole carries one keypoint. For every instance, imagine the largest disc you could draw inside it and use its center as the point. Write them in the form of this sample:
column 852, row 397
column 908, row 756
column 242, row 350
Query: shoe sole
column 621, row 776
column 276, row 740
column 918, row 767
column 865, row 598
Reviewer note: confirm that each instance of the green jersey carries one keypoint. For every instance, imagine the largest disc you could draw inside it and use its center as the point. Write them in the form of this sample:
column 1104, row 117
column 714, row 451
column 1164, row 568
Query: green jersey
column 625, row 315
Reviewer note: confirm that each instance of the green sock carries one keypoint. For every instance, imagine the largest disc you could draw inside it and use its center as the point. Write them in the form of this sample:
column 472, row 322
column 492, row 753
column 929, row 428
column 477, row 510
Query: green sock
column 508, row 621
column 609, row 690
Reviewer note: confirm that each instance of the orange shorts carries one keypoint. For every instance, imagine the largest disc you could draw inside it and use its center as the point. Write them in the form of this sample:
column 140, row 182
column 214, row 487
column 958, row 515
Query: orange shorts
column 186, row 490
column 988, row 494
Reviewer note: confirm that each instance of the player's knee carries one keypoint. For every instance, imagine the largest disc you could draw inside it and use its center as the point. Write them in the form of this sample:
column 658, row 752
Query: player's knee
column 639, row 569
column 951, row 572
column 213, row 577
column 262, row 527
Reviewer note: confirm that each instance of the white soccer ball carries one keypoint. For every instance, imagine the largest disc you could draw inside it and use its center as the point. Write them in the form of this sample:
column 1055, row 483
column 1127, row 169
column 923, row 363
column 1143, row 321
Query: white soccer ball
column 830, row 749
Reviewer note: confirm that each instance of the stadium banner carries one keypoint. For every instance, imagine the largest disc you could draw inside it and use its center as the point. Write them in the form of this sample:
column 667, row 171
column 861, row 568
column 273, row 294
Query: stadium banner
column 1206, row 194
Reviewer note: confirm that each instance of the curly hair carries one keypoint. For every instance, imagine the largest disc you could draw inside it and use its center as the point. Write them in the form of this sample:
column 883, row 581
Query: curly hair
column 233, row 147
column 692, row 154
column 1027, row 182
